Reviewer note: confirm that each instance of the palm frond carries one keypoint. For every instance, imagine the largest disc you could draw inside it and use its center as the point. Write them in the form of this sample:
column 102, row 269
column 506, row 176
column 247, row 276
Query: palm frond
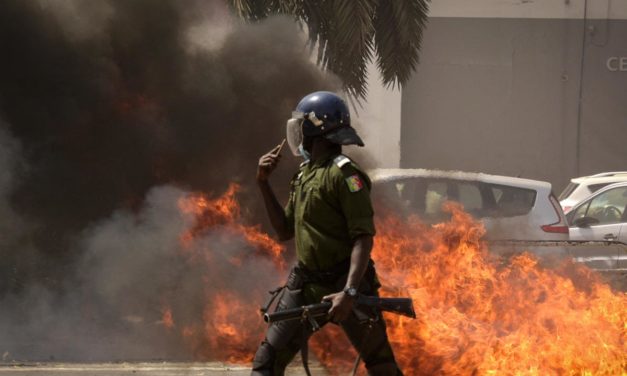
column 398, row 28
column 348, row 32
column 250, row 10
column 350, row 43
column 255, row 10
column 317, row 17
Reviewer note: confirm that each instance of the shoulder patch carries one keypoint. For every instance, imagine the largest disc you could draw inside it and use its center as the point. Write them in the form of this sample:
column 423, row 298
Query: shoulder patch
column 341, row 160
column 354, row 182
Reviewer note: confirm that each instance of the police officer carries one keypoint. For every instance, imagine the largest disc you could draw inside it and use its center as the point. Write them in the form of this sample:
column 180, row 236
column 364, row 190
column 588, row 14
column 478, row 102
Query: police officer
column 330, row 214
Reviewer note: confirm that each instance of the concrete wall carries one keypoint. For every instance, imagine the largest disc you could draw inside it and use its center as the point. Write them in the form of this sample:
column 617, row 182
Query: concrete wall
column 499, row 84
column 378, row 122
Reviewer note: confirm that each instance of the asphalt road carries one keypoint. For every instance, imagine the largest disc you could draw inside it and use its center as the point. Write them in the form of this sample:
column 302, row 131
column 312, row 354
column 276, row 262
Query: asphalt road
column 137, row 369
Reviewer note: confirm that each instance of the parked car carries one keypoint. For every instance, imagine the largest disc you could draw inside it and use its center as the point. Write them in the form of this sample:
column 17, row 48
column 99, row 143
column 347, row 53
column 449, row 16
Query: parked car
column 582, row 187
column 510, row 208
column 602, row 216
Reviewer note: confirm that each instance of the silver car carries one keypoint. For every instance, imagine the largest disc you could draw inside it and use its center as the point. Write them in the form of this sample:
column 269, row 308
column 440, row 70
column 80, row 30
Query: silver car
column 602, row 218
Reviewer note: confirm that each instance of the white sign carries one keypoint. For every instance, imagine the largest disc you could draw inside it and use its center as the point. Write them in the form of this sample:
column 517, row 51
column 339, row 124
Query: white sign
column 617, row 64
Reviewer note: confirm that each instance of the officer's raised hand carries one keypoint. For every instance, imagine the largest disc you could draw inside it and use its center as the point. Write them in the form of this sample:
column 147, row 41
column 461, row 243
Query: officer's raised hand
column 268, row 162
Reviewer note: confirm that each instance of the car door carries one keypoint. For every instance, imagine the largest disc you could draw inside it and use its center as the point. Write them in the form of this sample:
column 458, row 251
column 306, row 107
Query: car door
column 622, row 237
column 607, row 209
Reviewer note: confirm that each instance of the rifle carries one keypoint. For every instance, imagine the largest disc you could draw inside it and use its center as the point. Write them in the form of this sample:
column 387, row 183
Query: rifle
column 399, row 306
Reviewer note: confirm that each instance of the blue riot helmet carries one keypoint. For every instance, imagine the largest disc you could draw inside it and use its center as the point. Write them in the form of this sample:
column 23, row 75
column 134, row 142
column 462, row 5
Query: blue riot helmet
column 321, row 114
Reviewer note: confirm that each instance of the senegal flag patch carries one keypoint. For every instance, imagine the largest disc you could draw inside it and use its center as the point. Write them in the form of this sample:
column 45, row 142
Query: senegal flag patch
column 354, row 183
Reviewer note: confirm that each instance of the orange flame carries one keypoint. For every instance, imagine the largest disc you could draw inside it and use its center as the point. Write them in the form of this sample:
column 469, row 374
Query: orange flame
column 229, row 326
column 225, row 213
column 477, row 314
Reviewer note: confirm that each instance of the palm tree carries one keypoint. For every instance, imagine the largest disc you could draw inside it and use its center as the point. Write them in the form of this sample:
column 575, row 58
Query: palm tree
column 348, row 33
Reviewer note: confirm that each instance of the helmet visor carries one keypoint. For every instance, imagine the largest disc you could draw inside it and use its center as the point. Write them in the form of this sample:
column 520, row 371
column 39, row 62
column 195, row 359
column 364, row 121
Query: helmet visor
column 294, row 133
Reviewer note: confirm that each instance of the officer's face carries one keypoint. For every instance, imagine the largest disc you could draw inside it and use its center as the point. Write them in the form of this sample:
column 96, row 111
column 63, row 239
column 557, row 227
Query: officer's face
column 308, row 143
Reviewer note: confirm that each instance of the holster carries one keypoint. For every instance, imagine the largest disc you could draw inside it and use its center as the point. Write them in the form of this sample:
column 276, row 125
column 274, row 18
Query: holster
column 294, row 284
column 290, row 297
column 273, row 295
column 296, row 279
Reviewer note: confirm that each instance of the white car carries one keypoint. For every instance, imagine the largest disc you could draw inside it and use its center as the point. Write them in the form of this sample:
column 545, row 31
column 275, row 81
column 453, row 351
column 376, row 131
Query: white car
column 601, row 217
column 582, row 187
column 510, row 208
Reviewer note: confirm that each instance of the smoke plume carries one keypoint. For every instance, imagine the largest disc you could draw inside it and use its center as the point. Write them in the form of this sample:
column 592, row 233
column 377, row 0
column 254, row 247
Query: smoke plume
column 111, row 111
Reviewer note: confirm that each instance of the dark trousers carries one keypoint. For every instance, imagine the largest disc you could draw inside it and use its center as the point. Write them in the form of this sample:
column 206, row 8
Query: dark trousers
column 284, row 339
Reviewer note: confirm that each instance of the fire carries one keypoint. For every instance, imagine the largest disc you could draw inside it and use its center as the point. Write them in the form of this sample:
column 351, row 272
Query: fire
column 221, row 251
column 477, row 314
column 228, row 329
column 225, row 213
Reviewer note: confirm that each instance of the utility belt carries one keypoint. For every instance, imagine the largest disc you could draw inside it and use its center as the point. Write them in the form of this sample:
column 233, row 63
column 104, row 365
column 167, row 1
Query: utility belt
column 323, row 277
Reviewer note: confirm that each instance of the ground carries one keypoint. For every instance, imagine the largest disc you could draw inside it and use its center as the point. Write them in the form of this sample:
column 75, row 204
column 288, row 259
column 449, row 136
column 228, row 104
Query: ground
column 137, row 369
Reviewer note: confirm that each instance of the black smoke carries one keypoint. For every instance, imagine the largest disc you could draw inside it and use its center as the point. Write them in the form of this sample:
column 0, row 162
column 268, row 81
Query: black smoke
column 102, row 101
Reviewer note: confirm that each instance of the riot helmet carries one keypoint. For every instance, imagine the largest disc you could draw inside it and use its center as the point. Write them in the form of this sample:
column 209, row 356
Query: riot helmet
column 321, row 113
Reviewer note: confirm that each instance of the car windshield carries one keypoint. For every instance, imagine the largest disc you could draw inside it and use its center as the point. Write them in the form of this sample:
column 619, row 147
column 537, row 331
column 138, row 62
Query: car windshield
column 567, row 191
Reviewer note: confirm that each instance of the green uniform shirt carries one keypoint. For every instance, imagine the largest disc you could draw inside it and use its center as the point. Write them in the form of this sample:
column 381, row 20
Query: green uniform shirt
column 329, row 206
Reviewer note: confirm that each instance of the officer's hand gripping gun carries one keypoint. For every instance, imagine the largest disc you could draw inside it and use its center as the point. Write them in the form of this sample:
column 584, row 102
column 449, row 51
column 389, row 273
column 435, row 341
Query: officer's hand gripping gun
column 399, row 306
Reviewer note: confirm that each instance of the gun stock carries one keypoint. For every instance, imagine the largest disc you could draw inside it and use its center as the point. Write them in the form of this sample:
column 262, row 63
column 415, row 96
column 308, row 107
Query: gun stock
column 399, row 306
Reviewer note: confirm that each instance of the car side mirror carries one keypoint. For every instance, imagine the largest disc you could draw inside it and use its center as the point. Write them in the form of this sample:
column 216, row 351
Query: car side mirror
column 585, row 222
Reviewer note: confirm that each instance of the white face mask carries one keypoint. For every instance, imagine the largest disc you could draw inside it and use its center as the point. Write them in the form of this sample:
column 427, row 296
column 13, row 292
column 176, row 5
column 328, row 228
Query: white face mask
column 304, row 153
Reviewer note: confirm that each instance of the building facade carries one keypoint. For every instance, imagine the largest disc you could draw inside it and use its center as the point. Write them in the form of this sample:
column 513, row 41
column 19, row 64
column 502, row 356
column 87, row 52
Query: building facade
column 536, row 89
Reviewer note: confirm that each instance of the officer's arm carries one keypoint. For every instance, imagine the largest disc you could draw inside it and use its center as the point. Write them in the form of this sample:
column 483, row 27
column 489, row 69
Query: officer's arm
column 360, row 256
column 275, row 211
column 281, row 221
